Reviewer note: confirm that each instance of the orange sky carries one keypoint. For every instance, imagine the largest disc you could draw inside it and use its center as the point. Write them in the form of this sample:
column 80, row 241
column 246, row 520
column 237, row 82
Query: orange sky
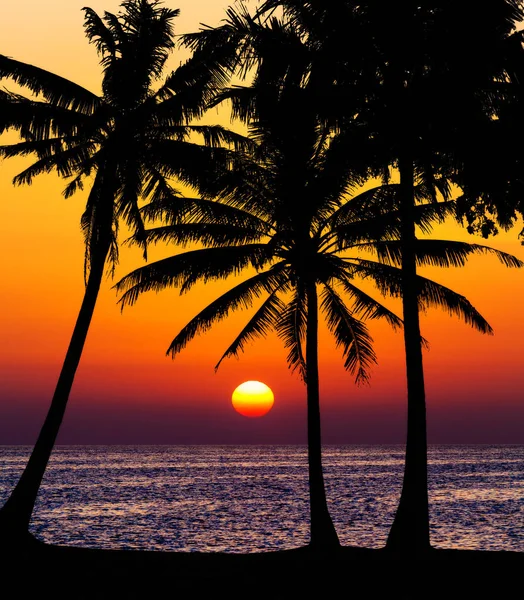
column 128, row 391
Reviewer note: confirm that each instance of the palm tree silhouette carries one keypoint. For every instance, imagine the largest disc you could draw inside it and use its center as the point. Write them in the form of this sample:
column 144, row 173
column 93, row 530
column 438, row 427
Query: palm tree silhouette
column 400, row 62
column 253, row 229
column 285, row 212
column 269, row 218
column 131, row 138
column 421, row 127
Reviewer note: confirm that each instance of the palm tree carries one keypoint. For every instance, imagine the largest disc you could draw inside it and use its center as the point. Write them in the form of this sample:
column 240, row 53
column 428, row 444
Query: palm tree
column 426, row 76
column 289, row 250
column 268, row 218
column 131, row 139
column 421, row 127
column 255, row 229
column 284, row 212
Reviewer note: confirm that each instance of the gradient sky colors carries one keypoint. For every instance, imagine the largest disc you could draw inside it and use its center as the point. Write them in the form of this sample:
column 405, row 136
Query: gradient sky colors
column 128, row 391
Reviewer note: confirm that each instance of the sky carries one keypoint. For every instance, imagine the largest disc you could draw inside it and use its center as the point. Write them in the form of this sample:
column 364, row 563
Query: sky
column 127, row 391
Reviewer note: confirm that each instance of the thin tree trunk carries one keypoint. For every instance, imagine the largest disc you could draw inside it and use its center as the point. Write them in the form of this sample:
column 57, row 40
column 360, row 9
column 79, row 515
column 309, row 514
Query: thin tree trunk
column 410, row 529
column 16, row 513
column 323, row 533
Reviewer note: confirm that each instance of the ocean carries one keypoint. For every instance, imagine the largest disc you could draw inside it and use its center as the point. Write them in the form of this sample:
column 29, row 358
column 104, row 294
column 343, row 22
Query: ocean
column 255, row 498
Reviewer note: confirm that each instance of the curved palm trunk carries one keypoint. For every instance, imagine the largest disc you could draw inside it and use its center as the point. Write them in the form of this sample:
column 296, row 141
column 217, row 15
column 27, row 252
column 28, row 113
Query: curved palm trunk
column 15, row 515
column 410, row 529
column 323, row 534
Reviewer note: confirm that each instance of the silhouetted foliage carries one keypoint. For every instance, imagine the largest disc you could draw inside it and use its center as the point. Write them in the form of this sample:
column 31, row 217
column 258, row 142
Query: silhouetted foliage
column 427, row 93
column 431, row 73
column 130, row 140
column 291, row 210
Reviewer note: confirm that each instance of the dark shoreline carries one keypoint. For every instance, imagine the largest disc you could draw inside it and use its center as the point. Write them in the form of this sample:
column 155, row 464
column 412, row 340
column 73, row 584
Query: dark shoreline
column 38, row 569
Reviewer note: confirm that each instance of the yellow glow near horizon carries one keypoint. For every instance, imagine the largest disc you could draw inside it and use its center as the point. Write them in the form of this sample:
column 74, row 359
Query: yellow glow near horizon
column 253, row 399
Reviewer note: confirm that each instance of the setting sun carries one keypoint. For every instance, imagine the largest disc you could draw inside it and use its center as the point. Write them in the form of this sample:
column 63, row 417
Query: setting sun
column 253, row 399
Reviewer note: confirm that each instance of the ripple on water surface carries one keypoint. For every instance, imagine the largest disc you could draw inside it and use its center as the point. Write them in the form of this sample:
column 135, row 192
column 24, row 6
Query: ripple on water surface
column 254, row 498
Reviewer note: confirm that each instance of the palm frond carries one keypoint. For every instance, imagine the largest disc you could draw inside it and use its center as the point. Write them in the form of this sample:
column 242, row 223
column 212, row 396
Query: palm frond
column 291, row 329
column 366, row 307
column 369, row 204
column 98, row 223
column 226, row 48
column 434, row 294
column 388, row 279
column 247, row 186
column 191, row 87
column 388, row 226
column 197, row 166
column 439, row 253
column 42, row 148
column 132, row 178
column 217, row 136
column 237, row 258
column 66, row 162
column 208, row 234
column 98, row 33
column 241, row 296
column 242, row 99
column 36, row 120
column 184, row 270
column 55, row 89
column 178, row 209
column 350, row 334
column 335, row 172
column 73, row 186
column 149, row 33
column 375, row 214
column 258, row 326
column 158, row 191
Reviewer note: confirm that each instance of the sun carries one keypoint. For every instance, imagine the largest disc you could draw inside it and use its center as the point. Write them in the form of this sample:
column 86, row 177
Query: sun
column 253, row 399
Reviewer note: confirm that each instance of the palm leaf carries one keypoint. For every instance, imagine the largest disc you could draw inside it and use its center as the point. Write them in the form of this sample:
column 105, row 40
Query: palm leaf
column 335, row 173
column 183, row 270
column 151, row 26
column 55, row 89
column 192, row 164
column 127, row 202
column 439, row 253
column 217, row 136
column 240, row 296
column 258, row 326
column 208, row 234
column 434, row 294
column 38, row 120
column 66, row 161
column 242, row 99
column 73, row 186
column 350, row 334
column 291, row 329
column 431, row 294
column 98, row 222
column 388, row 226
column 366, row 307
column 178, row 209
column 98, row 33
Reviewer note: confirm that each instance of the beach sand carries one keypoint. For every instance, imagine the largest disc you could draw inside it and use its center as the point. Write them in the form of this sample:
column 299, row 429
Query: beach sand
column 42, row 571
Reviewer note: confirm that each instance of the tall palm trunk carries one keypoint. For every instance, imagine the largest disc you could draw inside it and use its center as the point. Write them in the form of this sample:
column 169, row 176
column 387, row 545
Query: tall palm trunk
column 410, row 529
column 15, row 515
column 323, row 534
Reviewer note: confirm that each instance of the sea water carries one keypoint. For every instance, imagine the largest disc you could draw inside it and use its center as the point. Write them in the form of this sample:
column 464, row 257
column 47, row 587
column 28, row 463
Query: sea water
column 255, row 498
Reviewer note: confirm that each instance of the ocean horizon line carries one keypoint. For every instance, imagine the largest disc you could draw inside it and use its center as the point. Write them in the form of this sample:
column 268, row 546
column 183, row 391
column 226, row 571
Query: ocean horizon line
column 304, row 445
